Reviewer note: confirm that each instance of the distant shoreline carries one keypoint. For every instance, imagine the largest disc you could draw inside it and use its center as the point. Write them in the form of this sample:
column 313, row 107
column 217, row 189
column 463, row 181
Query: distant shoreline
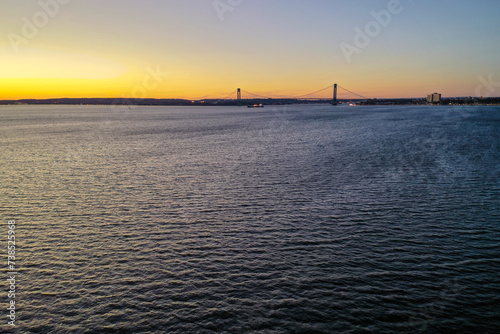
column 221, row 102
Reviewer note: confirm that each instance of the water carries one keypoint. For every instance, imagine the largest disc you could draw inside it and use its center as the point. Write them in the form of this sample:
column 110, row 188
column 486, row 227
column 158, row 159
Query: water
column 289, row 219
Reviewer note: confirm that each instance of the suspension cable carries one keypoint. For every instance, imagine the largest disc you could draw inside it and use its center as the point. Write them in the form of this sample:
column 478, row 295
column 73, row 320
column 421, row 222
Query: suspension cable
column 261, row 96
column 318, row 91
column 361, row 96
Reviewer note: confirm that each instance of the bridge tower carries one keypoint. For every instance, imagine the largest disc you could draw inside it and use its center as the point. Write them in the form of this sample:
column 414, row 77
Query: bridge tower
column 239, row 96
column 334, row 101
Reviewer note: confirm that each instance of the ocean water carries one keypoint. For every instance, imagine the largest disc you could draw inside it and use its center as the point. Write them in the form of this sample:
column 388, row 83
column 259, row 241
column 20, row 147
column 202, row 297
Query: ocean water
column 287, row 219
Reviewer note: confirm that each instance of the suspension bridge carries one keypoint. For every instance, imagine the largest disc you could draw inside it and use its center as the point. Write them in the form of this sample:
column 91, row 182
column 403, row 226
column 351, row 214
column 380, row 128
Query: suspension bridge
column 240, row 96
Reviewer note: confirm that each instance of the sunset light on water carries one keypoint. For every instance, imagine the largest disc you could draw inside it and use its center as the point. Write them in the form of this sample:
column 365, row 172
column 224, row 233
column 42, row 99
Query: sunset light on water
column 250, row 166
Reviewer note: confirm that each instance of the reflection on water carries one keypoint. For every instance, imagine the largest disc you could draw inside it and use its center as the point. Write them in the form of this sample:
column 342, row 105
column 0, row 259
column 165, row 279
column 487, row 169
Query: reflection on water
column 287, row 219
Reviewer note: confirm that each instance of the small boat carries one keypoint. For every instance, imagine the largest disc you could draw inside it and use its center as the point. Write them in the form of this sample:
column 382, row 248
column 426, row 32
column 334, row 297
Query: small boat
column 256, row 106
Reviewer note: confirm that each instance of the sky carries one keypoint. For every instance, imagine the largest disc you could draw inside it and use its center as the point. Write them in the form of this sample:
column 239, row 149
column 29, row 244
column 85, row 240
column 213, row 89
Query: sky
column 278, row 48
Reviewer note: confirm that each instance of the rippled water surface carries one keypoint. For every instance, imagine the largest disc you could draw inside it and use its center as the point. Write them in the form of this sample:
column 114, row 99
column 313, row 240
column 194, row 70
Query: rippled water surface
column 287, row 219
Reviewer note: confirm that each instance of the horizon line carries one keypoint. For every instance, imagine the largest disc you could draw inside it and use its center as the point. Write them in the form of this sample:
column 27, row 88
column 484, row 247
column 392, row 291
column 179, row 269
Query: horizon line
column 235, row 99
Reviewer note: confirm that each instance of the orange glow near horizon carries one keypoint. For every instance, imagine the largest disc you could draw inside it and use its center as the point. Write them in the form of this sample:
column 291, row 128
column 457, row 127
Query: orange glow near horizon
column 65, row 75
column 140, row 84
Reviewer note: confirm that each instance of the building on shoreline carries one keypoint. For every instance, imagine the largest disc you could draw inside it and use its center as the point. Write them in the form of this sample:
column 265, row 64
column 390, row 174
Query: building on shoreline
column 434, row 98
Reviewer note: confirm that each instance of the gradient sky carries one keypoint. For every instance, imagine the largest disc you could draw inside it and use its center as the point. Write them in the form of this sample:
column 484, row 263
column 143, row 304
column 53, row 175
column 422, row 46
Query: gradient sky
column 103, row 48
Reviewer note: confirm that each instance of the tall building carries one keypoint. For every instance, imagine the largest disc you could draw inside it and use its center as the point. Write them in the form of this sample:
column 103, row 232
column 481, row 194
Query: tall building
column 434, row 98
